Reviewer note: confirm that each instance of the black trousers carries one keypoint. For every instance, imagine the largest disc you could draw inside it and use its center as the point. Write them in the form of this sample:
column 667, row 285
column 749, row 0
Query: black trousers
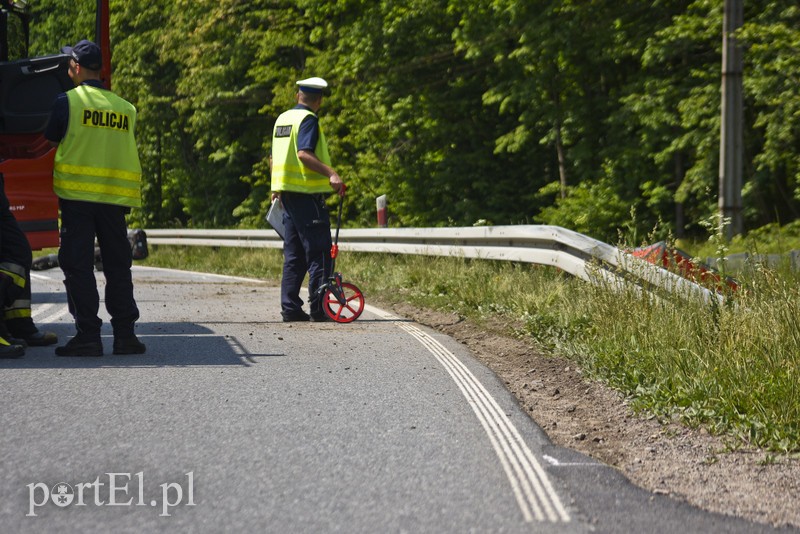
column 81, row 222
column 306, row 249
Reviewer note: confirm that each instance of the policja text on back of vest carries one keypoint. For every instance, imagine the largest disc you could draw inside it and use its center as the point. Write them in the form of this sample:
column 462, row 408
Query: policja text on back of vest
column 106, row 119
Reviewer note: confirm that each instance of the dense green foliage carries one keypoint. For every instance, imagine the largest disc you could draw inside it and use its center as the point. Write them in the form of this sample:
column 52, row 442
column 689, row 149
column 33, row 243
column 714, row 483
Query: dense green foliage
column 460, row 111
column 733, row 368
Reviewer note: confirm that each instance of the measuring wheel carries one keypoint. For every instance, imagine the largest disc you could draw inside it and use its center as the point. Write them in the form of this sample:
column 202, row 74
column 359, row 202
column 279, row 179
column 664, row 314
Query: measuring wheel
column 342, row 302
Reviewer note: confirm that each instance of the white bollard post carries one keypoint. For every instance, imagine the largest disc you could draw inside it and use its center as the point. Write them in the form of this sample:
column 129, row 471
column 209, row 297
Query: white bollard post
column 381, row 204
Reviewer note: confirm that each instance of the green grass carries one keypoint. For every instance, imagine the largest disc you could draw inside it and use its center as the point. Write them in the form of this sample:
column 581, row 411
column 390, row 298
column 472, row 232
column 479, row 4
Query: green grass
column 733, row 368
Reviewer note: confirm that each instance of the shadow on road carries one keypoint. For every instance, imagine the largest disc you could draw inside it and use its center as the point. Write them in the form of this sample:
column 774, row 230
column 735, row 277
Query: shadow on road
column 168, row 345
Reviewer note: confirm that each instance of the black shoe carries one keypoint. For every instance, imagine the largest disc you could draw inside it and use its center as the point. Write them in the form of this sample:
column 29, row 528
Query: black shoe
column 8, row 352
column 292, row 317
column 320, row 317
column 41, row 339
column 17, row 341
column 129, row 345
column 79, row 347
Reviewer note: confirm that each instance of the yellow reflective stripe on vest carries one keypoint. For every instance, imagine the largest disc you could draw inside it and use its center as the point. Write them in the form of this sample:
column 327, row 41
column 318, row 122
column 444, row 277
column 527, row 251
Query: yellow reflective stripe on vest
column 291, row 174
column 79, row 186
column 103, row 173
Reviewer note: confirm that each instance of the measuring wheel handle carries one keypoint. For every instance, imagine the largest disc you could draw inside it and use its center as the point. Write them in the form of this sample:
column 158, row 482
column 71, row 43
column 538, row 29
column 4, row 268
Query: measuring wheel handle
column 341, row 301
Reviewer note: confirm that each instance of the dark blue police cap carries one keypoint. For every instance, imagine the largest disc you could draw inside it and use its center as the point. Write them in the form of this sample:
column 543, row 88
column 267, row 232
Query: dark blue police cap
column 85, row 53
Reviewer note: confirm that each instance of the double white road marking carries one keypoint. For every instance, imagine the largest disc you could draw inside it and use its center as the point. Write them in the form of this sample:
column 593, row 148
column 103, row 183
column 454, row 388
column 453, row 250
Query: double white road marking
column 534, row 493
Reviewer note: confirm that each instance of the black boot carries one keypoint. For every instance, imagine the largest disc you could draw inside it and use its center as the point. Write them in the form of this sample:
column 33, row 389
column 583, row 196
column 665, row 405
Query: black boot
column 8, row 350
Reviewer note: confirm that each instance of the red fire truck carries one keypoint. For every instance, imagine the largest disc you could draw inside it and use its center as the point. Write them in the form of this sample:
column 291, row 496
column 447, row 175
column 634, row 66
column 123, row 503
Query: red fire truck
column 28, row 87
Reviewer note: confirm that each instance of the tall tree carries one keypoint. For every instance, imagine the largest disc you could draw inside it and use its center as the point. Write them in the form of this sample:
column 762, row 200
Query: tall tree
column 427, row 140
column 674, row 108
column 772, row 76
column 460, row 111
column 564, row 68
column 281, row 36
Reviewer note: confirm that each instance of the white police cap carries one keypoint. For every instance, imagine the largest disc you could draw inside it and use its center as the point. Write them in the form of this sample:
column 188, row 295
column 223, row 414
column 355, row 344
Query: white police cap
column 312, row 85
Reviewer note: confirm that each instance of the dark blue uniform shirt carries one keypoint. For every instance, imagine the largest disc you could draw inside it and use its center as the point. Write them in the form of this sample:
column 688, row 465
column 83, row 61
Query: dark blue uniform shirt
column 59, row 116
column 308, row 133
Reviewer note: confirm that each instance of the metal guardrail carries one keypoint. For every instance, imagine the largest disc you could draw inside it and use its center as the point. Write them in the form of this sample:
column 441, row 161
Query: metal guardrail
column 574, row 253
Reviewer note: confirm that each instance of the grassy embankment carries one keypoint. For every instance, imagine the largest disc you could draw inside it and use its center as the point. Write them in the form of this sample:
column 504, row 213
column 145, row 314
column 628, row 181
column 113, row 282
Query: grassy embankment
column 733, row 368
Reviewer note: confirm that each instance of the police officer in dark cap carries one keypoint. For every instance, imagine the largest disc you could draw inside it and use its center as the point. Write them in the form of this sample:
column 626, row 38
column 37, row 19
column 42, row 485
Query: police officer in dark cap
column 97, row 178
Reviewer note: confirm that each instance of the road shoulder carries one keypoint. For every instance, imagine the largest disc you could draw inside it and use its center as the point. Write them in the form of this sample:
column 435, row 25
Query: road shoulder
column 663, row 457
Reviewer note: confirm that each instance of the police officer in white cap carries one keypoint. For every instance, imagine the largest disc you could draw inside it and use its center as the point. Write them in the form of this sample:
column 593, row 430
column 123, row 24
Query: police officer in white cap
column 302, row 177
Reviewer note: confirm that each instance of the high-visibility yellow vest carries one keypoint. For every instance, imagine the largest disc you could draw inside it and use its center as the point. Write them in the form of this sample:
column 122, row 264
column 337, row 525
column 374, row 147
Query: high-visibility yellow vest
column 288, row 173
column 97, row 160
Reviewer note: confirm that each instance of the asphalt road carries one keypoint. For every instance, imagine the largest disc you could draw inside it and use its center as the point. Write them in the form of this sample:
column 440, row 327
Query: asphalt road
column 234, row 421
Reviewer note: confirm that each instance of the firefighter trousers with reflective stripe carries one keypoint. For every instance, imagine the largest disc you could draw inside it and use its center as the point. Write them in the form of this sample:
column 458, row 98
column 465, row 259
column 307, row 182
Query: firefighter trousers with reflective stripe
column 15, row 260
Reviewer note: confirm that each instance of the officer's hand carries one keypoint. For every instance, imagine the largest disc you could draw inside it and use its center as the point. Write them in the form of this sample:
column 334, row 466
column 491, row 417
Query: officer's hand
column 337, row 184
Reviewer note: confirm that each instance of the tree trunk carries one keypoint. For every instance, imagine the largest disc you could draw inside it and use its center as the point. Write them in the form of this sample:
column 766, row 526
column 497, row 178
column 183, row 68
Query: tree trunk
column 562, row 160
column 680, row 221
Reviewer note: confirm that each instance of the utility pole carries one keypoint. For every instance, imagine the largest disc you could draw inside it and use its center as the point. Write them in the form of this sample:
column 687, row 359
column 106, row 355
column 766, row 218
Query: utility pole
column 731, row 131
